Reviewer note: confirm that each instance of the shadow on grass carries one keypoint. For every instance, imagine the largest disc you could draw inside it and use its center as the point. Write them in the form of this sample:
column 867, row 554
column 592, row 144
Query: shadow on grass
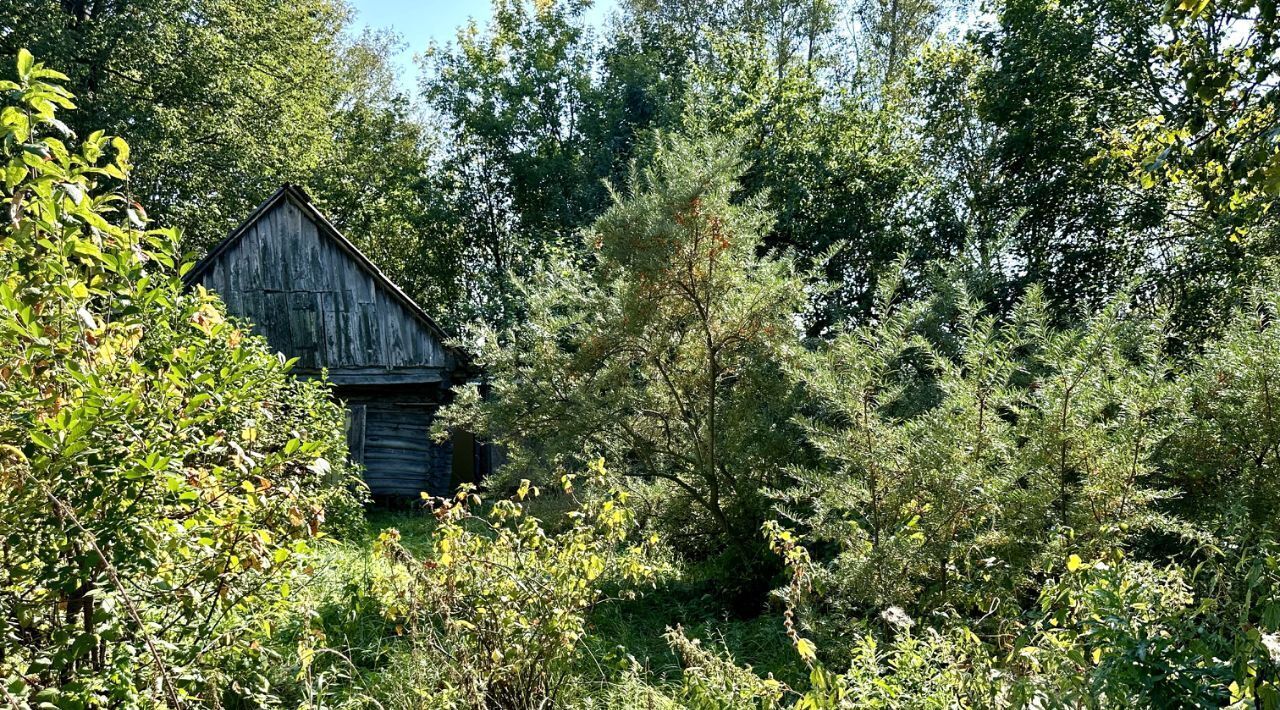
column 695, row 602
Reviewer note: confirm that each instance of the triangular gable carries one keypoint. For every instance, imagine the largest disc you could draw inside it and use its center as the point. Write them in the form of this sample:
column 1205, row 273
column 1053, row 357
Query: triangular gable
column 319, row 298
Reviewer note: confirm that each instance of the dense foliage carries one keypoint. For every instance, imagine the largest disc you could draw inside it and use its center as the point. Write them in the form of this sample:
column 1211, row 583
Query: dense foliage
column 1031, row 496
column 161, row 470
column 1068, row 145
column 658, row 352
column 500, row 609
column 931, row 347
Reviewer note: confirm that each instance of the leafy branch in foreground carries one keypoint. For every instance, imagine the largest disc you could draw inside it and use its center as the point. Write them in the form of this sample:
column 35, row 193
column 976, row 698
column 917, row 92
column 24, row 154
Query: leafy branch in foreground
column 161, row 471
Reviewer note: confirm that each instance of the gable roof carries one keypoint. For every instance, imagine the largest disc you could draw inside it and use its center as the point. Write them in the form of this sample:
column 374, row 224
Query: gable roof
column 302, row 201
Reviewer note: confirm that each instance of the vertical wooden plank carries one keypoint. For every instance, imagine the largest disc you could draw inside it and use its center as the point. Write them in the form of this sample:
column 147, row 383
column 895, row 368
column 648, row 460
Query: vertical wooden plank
column 392, row 343
column 277, row 268
column 344, row 299
column 254, row 308
column 335, row 304
column 276, row 321
column 349, row 318
column 266, row 252
column 355, row 432
column 304, row 237
column 463, row 458
column 211, row 278
column 327, row 355
column 302, row 323
column 369, row 333
column 369, row 291
column 232, row 299
column 239, row 276
column 316, row 266
column 287, row 241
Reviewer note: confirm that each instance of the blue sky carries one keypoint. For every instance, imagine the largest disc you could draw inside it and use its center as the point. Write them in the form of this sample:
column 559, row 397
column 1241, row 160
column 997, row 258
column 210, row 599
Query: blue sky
column 418, row 22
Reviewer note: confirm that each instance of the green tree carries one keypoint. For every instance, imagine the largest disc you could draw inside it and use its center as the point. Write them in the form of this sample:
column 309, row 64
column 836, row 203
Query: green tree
column 377, row 183
column 960, row 452
column 1051, row 85
column 514, row 99
column 837, row 173
column 1213, row 129
column 1129, row 140
column 889, row 33
column 662, row 351
column 223, row 99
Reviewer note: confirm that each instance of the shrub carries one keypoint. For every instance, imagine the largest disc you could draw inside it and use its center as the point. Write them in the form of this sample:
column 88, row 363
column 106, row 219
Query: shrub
column 953, row 467
column 161, row 471
column 1106, row 633
column 1111, row 632
column 1223, row 455
column 500, row 605
column 712, row 681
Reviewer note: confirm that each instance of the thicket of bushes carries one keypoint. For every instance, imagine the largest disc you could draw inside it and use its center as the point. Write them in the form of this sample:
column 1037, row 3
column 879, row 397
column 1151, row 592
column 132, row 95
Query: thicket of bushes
column 974, row 508
column 162, row 474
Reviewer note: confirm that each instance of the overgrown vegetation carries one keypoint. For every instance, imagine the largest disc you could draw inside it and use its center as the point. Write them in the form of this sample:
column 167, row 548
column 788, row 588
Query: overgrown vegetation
column 497, row 612
column 845, row 355
column 162, row 472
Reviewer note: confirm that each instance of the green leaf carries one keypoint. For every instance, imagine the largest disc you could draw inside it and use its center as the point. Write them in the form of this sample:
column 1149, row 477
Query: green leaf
column 122, row 151
column 45, row 73
column 43, row 440
column 15, row 173
column 1193, row 7
column 74, row 191
column 25, row 63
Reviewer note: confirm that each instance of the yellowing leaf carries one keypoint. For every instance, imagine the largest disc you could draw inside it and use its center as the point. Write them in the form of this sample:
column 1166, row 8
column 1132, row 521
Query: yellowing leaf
column 1195, row 7
column 806, row 649
column 1073, row 563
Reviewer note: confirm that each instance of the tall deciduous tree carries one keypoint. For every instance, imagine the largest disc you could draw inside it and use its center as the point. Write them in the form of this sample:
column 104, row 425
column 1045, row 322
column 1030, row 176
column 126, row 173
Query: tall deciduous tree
column 222, row 99
column 837, row 171
column 1122, row 141
column 513, row 99
column 1051, row 86
column 378, row 183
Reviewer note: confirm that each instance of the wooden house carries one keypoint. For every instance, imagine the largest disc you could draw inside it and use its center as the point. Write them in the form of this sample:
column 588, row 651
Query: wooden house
column 316, row 297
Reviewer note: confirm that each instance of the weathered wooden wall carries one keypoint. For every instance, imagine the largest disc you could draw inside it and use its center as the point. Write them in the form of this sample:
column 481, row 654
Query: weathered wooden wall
column 314, row 301
column 389, row 433
column 316, row 298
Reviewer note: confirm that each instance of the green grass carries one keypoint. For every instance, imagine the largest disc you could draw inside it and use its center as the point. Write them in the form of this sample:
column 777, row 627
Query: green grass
column 415, row 527
column 689, row 600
